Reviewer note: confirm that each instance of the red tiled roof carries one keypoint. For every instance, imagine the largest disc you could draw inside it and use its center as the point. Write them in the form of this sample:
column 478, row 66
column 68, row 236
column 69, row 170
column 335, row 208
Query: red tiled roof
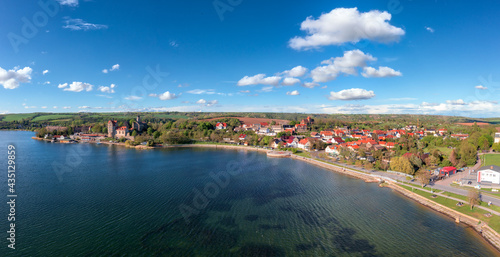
column 304, row 141
column 327, row 133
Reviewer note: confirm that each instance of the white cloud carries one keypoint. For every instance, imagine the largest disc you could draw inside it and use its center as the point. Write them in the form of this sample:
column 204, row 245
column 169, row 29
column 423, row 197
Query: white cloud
column 201, row 91
column 207, row 103
column 173, row 43
column 109, row 90
column 113, row 68
column 351, row 94
column 45, row 72
column 310, row 84
column 44, row 107
column 211, row 103
column 245, row 91
column 67, row 107
column 55, row 107
column 431, row 30
column 343, row 25
column 266, row 89
column 290, row 81
column 295, row 92
column 259, row 79
column 12, row 78
column 76, row 86
column 46, row 83
column 183, row 85
column 481, row 87
column 167, row 96
column 455, row 102
column 382, row 72
column 133, row 98
column 72, row 3
column 346, row 64
column 84, row 107
column 298, row 71
column 79, row 24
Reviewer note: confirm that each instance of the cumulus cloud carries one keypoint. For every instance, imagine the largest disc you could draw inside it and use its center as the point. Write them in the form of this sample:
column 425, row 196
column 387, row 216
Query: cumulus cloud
column 481, row 87
column 266, row 89
column 11, row 79
column 431, row 30
column 45, row 72
column 207, row 103
column 290, row 81
column 133, row 98
column 259, row 79
column 72, row 3
column 167, row 96
column 76, row 86
column 351, row 94
column 298, row 71
column 343, row 25
column 79, row 24
column 382, row 72
column 295, row 92
column 346, row 64
column 109, row 90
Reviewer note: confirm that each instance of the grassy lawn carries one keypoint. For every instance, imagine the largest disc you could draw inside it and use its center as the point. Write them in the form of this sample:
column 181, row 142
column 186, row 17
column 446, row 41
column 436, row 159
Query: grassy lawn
column 17, row 117
column 444, row 150
column 490, row 159
column 303, row 154
column 493, row 221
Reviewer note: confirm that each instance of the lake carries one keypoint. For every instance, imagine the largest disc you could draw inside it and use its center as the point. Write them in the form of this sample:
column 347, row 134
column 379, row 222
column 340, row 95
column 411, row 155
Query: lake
column 99, row 200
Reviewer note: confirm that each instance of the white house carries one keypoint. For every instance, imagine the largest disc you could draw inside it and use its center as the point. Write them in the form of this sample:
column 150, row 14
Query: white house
column 332, row 150
column 497, row 137
column 304, row 144
column 489, row 174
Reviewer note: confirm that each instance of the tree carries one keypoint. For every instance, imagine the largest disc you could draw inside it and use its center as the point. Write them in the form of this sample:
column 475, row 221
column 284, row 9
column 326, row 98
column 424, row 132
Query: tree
column 496, row 147
column 468, row 153
column 453, row 158
column 156, row 134
column 134, row 133
column 423, row 176
column 402, row 164
column 473, row 197
column 150, row 131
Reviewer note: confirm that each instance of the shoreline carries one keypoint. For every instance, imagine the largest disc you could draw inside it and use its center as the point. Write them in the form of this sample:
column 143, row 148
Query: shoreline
column 484, row 231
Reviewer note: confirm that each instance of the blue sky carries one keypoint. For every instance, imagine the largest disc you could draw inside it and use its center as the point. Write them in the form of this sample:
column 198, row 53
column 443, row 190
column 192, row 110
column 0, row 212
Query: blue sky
column 393, row 56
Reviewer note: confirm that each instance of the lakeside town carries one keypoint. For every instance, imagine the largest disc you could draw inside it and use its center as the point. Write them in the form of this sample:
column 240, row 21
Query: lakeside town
column 419, row 152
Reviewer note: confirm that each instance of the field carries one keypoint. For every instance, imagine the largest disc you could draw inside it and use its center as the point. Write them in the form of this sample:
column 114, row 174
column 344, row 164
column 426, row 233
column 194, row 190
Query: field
column 490, row 159
column 17, row 117
column 246, row 120
column 472, row 123
column 51, row 117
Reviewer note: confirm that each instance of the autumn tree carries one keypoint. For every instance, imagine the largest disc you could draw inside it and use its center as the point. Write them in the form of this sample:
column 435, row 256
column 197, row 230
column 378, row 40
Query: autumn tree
column 473, row 197
column 423, row 176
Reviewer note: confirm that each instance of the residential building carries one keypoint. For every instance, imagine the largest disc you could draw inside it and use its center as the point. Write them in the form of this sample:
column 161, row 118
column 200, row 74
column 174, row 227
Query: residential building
column 221, row 125
column 304, row 144
column 489, row 174
column 497, row 137
column 112, row 124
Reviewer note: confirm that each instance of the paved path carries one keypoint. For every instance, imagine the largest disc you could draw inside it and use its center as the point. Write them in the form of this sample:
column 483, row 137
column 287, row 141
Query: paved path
column 460, row 200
